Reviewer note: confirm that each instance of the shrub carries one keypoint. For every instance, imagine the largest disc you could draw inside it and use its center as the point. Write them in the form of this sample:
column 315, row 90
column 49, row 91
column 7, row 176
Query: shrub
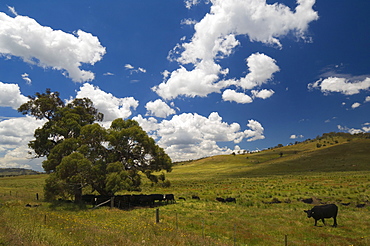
column 166, row 183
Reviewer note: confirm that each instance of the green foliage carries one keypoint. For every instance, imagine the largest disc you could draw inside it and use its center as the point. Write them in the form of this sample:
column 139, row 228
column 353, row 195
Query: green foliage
column 57, row 153
column 166, row 184
column 43, row 105
column 63, row 121
column 55, row 188
column 130, row 144
column 74, row 171
column 119, row 179
column 81, row 153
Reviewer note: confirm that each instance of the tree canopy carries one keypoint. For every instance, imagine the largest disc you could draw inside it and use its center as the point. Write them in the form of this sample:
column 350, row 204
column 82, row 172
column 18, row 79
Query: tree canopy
column 80, row 153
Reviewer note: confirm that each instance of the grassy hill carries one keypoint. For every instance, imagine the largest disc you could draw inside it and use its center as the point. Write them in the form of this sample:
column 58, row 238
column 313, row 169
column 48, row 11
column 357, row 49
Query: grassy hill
column 338, row 156
column 4, row 172
column 329, row 153
column 269, row 187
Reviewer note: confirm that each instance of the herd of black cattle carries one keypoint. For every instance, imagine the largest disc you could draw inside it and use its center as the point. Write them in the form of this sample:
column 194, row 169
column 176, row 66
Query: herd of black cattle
column 127, row 201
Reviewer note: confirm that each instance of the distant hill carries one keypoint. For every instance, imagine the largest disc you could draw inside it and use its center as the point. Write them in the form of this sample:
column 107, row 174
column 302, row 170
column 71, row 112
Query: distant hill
column 6, row 172
column 331, row 152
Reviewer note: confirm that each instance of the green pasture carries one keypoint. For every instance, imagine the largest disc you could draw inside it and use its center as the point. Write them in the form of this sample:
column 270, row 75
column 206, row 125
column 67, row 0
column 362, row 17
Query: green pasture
column 268, row 187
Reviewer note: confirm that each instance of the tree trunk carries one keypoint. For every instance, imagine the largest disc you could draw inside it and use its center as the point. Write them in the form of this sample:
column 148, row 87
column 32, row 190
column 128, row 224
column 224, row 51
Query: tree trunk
column 78, row 195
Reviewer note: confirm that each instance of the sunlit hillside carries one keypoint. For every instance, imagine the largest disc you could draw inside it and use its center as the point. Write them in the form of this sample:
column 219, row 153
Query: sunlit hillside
column 271, row 189
column 328, row 153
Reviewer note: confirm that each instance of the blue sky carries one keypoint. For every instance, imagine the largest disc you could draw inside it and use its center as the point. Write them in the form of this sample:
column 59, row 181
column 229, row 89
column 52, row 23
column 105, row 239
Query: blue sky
column 201, row 77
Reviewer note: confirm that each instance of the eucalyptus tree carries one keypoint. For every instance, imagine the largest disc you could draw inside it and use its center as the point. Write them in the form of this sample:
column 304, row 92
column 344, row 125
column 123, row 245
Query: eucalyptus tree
column 80, row 153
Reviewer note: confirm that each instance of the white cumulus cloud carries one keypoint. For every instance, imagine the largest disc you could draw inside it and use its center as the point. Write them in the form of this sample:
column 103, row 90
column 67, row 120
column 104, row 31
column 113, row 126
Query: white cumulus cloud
column 15, row 134
column 23, row 37
column 191, row 136
column 111, row 106
column 258, row 20
column 341, row 85
column 10, row 96
column 159, row 108
column 262, row 93
column 355, row 105
column 231, row 95
column 293, row 136
column 215, row 38
column 18, row 130
column 255, row 131
column 364, row 129
column 200, row 81
column 261, row 69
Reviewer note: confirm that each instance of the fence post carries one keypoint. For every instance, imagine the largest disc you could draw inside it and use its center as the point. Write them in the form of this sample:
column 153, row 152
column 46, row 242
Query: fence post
column 157, row 215
column 234, row 234
column 37, row 196
column 203, row 228
column 112, row 202
column 286, row 240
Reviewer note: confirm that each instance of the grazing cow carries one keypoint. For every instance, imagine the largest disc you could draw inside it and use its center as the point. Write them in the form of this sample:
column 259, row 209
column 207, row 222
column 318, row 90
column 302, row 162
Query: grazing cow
column 230, row 199
column 142, row 200
column 157, row 197
column 122, row 201
column 195, row 197
column 169, row 198
column 147, row 200
column 182, row 198
column 322, row 212
column 220, row 199
column 135, row 200
column 308, row 200
column 88, row 198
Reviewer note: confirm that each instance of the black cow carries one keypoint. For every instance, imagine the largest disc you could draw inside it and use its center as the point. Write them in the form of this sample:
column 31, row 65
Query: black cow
column 230, row 199
column 195, row 197
column 142, row 200
column 147, row 200
column 322, row 212
column 157, row 197
column 135, row 200
column 89, row 199
column 220, row 199
column 169, row 198
column 122, row 201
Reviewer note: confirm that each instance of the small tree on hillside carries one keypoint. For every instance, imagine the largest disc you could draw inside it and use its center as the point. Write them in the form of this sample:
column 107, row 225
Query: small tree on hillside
column 80, row 153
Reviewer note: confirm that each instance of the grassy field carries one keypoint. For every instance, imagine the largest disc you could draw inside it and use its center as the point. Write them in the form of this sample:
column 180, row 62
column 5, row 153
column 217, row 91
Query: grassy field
column 268, row 188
